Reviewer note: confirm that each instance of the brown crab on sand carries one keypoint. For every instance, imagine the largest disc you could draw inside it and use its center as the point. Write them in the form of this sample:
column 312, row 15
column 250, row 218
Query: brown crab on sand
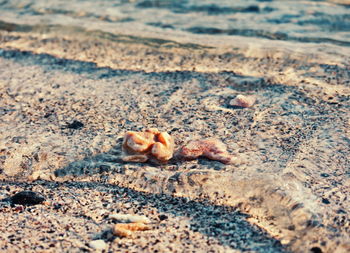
column 147, row 145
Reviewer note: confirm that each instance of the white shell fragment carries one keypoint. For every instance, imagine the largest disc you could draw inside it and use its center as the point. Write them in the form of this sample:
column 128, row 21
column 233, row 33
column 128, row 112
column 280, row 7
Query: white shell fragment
column 243, row 101
column 130, row 218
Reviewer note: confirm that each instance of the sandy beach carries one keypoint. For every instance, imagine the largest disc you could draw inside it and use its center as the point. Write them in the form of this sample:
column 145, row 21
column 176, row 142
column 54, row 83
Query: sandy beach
column 76, row 75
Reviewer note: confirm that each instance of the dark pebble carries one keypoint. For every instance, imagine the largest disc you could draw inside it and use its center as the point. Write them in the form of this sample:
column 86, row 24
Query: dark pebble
column 57, row 206
column 18, row 209
column 252, row 8
column 340, row 211
column 325, row 201
column 291, row 227
column 26, row 198
column 163, row 217
column 316, row 250
column 324, row 175
column 75, row 125
column 104, row 168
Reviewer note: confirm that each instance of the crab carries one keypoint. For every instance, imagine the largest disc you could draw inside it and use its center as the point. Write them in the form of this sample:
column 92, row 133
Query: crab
column 150, row 144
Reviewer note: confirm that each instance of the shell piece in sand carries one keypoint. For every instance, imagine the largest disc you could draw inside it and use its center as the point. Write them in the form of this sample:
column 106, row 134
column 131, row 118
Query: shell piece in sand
column 213, row 149
column 243, row 101
column 147, row 145
column 126, row 229
column 130, row 218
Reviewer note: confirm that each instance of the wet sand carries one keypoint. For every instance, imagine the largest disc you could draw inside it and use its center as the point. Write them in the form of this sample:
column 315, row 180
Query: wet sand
column 71, row 83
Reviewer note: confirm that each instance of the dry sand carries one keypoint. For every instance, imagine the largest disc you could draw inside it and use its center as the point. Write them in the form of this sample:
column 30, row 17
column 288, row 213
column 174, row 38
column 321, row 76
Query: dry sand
column 71, row 83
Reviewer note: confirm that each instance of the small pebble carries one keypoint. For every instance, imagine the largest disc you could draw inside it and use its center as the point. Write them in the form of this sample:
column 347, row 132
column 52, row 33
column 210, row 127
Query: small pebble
column 325, row 201
column 27, row 198
column 57, row 206
column 75, row 125
column 98, row 245
column 162, row 217
column 18, row 209
column 39, row 174
column 324, row 175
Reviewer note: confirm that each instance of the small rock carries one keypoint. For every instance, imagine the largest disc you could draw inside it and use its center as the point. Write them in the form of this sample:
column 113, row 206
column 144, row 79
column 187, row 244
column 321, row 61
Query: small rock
column 40, row 174
column 324, row 175
column 316, row 250
column 339, row 211
column 75, row 125
column 325, row 201
column 18, row 209
column 57, row 206
column 98, row 245
column 34, row 176
column 26, row 198
column 285, row 241
column 162, row 217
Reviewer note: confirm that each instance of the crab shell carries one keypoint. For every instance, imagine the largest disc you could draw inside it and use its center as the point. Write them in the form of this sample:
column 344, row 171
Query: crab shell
column 243, row 101
column 211, row 148
column 149, row 144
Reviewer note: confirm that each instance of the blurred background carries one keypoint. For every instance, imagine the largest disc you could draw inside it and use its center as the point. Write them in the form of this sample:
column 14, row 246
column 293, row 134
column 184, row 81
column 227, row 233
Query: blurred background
column 303, row 21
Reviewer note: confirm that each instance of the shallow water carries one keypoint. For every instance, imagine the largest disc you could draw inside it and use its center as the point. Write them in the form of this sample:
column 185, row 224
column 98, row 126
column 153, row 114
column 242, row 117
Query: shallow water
column 121, row 65
column 305, row 21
